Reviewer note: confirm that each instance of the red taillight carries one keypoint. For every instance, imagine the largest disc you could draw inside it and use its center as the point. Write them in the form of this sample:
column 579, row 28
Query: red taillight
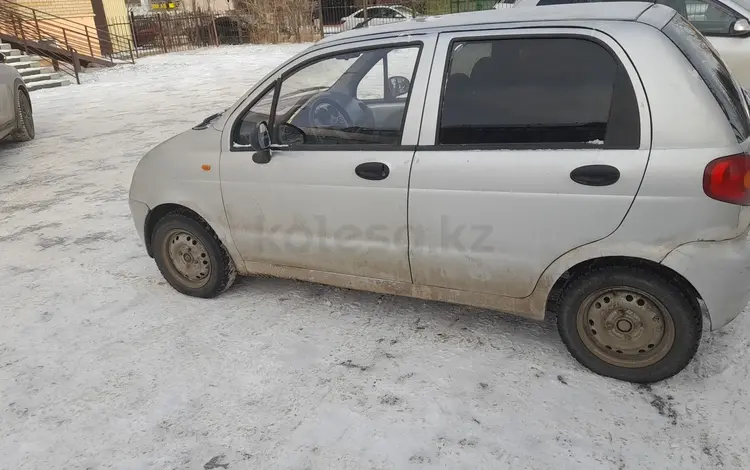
column 727, row 179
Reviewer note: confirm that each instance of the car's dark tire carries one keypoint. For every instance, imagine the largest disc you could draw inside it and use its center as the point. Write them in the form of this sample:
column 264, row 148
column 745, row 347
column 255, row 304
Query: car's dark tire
column 629, row 323
column 24, row 119
column 191, row 257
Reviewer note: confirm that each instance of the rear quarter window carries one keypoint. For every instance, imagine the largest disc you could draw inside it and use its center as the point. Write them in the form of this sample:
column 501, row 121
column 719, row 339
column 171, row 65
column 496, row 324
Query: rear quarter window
column 713, row 71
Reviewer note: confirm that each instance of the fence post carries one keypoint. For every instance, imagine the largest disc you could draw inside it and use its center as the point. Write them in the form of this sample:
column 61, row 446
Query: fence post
column 130, row 50
column 13, row 20
column 132, row 32
column 213, row 26
column 161, row 32
column 320, row 19
column 23, row 36
column 36, row 23
column 88, row 38
column 76, row 64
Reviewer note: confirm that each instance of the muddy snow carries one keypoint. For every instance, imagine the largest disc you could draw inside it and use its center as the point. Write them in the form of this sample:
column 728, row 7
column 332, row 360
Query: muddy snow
column 103, row 365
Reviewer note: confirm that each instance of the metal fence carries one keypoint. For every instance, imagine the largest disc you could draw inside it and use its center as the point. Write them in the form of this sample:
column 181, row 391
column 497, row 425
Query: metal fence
column 283, row 21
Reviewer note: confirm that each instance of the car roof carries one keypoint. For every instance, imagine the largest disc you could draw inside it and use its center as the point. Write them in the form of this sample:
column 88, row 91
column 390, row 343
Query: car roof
column 617, row 11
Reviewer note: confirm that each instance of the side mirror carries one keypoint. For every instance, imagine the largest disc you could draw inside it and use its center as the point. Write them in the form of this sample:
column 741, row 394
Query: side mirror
column 399, row 85
column 2, row 57
column 741, row 27
column 261, row 142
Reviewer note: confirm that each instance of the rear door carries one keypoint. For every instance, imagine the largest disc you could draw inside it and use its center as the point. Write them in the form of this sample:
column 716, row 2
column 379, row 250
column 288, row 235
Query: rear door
column 533, row 143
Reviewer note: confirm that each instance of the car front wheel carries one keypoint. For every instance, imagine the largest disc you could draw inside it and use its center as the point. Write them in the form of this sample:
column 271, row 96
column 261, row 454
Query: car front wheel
column 191, row 257
column 25, row 119
column 629, row 324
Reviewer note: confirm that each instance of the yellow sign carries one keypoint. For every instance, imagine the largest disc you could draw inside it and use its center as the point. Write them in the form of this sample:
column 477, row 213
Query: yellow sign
column 165, row 6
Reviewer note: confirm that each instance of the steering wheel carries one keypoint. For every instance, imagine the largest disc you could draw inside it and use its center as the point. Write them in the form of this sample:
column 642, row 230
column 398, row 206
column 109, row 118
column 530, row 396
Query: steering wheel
column 328, row 114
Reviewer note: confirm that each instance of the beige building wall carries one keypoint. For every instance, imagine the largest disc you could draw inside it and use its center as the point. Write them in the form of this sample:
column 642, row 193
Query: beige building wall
column 119, row 24
column 70, row 9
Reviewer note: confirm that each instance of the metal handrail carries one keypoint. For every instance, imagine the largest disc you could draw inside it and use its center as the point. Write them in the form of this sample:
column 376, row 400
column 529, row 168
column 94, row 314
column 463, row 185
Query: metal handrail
column 66, row 61
column 64, row 31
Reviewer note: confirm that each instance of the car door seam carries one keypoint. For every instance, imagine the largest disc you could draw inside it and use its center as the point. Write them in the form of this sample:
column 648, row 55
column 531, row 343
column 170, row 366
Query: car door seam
column 414, row 156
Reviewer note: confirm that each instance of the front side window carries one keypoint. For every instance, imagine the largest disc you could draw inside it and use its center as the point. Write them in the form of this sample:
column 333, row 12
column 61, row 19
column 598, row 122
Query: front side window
column 377, row 13
column 344, row 100
column 383, row 80
column 390, row 13
column 537, row 92
column 248, row 122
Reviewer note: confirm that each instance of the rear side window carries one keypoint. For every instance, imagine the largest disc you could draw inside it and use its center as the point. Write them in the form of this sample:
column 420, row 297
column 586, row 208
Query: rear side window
column 550, row 92
column 713, row 71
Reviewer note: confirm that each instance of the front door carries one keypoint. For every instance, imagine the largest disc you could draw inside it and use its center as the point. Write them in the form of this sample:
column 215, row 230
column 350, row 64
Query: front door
column 531, row 145
column 333, row 197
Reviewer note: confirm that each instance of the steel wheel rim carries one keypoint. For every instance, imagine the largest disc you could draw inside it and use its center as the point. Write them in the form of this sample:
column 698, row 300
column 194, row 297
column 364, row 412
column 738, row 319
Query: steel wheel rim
column 187, row 258
column 28, row 119
column 625, row 327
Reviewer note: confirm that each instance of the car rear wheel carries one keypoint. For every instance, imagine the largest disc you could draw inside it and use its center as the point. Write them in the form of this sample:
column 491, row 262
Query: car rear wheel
column 25, row 119
column 629, row 324
column 191, row 257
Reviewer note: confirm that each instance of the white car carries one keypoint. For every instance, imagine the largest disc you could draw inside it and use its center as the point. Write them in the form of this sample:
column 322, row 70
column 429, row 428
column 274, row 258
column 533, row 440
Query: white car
column 377, row 15
column 725, row 23
column 16, row 120
column 504, row 4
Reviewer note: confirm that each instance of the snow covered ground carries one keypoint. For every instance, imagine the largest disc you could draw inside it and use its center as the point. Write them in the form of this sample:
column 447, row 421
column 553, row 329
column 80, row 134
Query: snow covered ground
column 103, row 365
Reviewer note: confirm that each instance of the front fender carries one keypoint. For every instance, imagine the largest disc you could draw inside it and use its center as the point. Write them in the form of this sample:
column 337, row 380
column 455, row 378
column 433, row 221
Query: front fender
column 184, row 171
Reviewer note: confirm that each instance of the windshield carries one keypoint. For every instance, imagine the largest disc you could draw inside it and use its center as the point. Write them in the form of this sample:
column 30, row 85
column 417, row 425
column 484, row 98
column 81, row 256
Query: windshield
column 404, row 11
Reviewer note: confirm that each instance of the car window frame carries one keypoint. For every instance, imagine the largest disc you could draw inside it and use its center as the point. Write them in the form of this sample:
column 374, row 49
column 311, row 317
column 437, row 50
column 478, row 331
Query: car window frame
column 429, row 130
column 349, row 147
column 425, row 45
column 436, row 145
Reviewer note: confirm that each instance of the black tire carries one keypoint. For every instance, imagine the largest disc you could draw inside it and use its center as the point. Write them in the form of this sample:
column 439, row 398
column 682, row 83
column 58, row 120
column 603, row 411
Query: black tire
column 577, row 323
column 221, row 271
column 24, row 119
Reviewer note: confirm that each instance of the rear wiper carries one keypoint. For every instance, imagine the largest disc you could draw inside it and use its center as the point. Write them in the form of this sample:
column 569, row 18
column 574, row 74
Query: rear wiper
column 204, row 124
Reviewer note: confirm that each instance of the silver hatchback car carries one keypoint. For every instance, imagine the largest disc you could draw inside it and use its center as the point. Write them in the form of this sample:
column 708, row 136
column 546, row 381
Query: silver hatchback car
column 590, row 160
column 16, row 118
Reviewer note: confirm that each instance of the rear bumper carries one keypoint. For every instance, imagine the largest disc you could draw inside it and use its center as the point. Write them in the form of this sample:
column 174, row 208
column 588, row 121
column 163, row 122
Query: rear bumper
column 139, row 211
column 720, row 272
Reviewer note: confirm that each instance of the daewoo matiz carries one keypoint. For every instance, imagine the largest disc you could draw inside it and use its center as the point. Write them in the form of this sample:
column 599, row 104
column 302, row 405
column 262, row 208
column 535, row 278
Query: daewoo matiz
column 585, row 159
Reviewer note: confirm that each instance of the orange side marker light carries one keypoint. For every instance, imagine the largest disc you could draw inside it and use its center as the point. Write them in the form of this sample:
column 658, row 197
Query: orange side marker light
column 206, row 167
